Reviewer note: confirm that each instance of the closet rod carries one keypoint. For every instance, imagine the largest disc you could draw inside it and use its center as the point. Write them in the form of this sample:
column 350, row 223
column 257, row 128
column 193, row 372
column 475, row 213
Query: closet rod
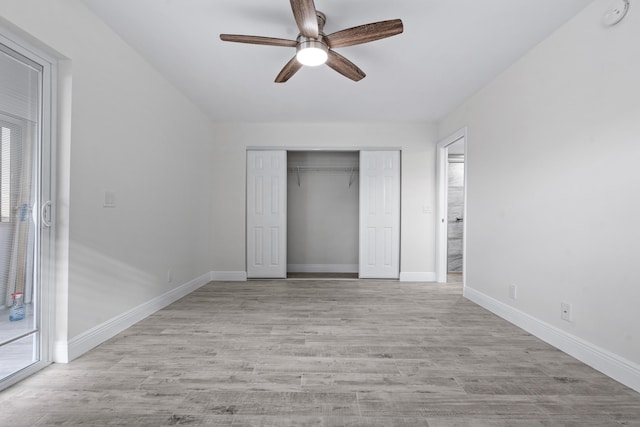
column 322, row 169
column 297, row 169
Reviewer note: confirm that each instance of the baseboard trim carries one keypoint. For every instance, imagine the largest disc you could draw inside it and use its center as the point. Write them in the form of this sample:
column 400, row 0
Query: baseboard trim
column 229, row 276
column 95, row 336
column 610, row 364
column 418, row 276
column 61, row 352
column 322, row 268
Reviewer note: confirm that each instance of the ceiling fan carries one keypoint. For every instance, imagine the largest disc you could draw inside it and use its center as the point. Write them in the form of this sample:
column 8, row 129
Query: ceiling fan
column 314, row 47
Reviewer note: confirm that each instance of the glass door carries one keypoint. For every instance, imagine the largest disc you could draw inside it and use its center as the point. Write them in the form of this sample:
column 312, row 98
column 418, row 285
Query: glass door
column 21, row 207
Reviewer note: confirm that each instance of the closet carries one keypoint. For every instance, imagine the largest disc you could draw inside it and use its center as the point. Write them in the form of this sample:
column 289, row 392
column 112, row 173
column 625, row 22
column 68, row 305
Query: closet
column 323, row 211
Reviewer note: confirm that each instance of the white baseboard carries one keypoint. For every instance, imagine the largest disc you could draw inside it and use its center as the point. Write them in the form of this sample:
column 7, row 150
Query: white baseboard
column 229, row 276
column 322, row 268
column 610, row 364
column 418, row 276
column 61, row 352
column 95, row 336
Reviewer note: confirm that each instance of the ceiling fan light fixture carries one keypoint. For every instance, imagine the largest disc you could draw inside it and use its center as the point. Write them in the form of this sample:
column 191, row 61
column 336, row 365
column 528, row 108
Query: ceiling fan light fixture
column 311, row 52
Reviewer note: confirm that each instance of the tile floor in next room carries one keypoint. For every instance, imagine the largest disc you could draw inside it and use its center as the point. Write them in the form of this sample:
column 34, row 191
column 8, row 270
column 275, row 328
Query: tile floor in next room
column 322, row 353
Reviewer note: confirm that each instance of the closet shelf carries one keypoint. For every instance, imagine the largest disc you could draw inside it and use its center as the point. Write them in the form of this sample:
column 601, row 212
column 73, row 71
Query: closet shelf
column 351, row 170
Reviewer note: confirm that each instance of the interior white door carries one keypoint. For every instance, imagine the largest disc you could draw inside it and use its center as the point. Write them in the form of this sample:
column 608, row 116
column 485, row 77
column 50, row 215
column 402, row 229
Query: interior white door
column 267, row 214
column 379, row 214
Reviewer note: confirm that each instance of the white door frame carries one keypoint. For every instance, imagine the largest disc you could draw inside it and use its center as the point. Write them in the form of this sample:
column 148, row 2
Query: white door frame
column 442, row 179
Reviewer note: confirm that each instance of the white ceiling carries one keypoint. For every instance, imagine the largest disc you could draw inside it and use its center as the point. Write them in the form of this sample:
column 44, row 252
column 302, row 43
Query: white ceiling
column 448, row 51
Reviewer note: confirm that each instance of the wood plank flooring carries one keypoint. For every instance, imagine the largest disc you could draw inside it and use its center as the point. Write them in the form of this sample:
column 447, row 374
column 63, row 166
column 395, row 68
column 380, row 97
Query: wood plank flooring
column 322, row 353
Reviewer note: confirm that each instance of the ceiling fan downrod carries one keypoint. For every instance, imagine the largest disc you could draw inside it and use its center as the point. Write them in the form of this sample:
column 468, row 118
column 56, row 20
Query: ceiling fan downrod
column 313, row 51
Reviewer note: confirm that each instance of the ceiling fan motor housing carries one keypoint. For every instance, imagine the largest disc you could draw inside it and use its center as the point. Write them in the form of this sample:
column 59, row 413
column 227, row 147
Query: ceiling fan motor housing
column 311, row 52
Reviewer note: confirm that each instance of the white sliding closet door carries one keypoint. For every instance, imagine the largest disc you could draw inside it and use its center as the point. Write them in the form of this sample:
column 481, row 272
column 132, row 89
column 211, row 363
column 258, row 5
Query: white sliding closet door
column 267, row 214
column 380, row 214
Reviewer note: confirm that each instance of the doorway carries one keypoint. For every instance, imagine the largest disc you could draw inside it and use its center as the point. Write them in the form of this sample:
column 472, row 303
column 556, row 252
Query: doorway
column 25, row 211
column 451, row 225
column 455, row 211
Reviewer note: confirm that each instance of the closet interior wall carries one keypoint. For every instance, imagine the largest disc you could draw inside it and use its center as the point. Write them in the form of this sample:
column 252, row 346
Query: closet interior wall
column 322, row 211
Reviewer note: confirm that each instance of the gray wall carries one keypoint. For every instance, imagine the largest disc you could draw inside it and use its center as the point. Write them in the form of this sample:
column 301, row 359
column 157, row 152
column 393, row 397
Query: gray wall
column 552, row 185
column 121, row 127
column 228, row 166
column 322, row 212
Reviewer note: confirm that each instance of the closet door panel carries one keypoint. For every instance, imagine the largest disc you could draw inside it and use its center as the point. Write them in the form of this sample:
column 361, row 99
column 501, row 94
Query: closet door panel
column 266, row 214
column 380, row 214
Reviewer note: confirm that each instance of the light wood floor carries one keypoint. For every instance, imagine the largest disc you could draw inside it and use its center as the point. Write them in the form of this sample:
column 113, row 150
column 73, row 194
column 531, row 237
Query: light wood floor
column 322, row 353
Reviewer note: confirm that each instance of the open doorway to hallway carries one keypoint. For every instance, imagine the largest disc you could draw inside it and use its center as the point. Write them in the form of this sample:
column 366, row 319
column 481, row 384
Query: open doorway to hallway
column 451, row 173
column 455, row 211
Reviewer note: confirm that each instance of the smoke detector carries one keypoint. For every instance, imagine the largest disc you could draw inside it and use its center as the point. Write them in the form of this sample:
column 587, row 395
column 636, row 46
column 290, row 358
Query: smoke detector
column 616, row 12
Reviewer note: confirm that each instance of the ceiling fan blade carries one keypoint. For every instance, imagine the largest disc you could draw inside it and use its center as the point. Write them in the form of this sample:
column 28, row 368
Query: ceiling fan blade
column 289, row 70
column 344, row 66
column 364, row 33
column 269, row 41
column 304, row 12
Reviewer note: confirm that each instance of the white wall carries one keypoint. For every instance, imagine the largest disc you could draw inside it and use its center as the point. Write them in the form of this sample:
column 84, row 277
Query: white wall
column 417, row 142
column 322, row 212
column 123, row 128
column 553, row 184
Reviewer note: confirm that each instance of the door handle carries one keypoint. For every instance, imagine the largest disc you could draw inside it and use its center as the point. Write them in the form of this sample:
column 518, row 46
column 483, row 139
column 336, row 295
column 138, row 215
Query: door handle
column 46, row 214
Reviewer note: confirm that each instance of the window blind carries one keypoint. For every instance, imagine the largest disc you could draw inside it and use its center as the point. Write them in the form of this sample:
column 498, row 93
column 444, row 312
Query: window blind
column 20, row 94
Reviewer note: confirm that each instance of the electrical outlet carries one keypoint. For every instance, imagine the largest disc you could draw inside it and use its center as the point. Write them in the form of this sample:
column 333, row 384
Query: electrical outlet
column 109, row 199
column 565, row 312
column 513, row 292
column 169, row 276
